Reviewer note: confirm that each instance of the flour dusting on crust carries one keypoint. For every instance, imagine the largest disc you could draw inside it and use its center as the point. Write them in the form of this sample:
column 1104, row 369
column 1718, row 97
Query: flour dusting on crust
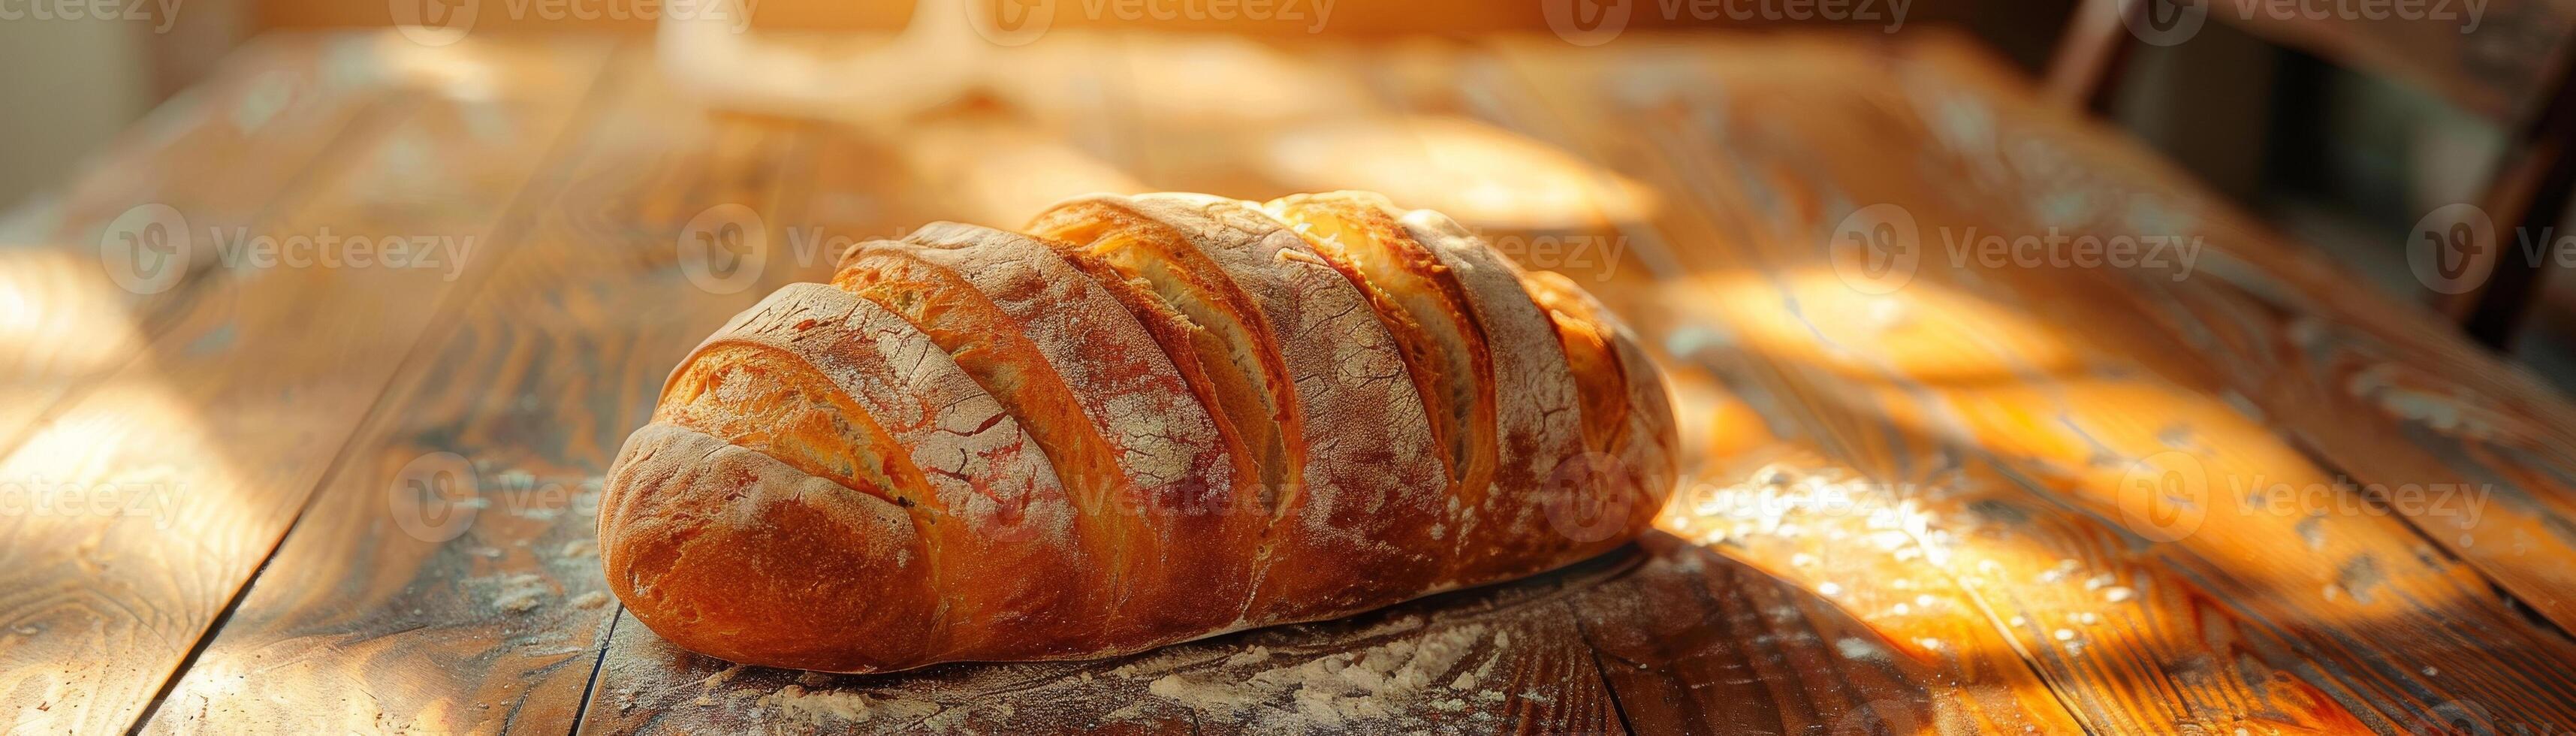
column 1372, row 470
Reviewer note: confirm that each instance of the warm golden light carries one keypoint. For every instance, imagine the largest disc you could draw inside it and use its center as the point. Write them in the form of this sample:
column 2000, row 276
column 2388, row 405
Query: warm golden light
column 1480, row 174
column 1005, row 175
column 59, row 316
column 1924, row 331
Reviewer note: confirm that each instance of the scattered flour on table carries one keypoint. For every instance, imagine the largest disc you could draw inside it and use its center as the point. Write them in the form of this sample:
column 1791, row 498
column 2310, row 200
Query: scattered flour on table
column 844, row 706
column 518, row 593
column 1379, row 683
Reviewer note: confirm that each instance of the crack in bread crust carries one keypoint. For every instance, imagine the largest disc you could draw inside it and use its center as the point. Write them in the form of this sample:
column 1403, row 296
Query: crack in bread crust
column 1538, row 413
column 1154, row 419
column 1627, row 416
column 727, row 551
column 1427, row 310
column 1371, row 471
column 1141, row 457
column 1003, row 522
column 994, row 351
column 1248, row 375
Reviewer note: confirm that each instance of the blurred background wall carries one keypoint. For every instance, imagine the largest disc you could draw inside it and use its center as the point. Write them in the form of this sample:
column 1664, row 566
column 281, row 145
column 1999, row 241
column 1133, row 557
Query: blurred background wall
column 2337, row 155
column 78, row 83
column 2298, row 138
column 114, row 71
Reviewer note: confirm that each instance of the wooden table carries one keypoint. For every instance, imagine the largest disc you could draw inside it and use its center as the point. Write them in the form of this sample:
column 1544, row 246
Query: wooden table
column 1933, row 494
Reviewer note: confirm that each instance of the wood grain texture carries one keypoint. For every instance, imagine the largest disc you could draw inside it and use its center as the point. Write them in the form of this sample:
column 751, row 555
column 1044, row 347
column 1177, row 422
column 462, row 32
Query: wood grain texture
column 1963, row 496
column 2379, row 391
column 1216, row 144
column 1501, row 659
column 1984, row 367
column 222, row 157
column 1813, row 667
column 476, row 604
column 195, row 457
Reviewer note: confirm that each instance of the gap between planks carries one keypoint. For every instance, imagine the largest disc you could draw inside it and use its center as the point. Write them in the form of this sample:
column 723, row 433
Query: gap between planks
column 515, row 218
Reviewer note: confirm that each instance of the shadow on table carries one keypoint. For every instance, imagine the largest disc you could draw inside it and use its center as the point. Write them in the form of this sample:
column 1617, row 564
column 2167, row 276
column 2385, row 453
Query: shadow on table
column 1535, row 655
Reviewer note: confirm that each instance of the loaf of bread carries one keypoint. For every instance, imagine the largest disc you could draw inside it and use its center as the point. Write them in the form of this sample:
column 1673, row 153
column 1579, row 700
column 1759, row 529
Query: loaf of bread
column 1145, row 420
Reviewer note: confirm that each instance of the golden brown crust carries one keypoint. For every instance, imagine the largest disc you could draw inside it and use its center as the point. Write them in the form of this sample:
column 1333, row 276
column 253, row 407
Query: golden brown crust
column 996, row 353
column 997, row 518
column 1649, row 448
column 1242, row 362
column 1177, row 336
column 1589, row 353
column 1144, row 462
column 727, row 551
column 1539, row 413
column 1159, row 418
column 1426, row 309
column 1347, row 529
column 1626, row 472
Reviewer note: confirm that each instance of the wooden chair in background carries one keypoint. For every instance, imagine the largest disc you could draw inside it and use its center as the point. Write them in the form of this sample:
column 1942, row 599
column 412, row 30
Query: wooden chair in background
column 2513, row 71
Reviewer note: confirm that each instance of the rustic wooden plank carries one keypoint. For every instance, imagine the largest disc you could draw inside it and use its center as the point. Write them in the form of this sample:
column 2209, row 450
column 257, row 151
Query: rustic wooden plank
column 1233, row 160
column 217, row 158
column 2057, row 420
column 963, row 165
column 1195, row 131
column 1978, row 683
column 194, row 458
column 2382, row 392
column 1917, row 516
column 478, row 606
column 1500, row 659
column 2374, row 396
column 1529, row 670
column 1812, row 305
column 220, row 152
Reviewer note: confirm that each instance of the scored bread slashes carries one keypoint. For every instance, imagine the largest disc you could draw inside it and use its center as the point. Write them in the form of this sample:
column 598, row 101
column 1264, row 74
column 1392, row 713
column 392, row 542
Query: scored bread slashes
column 1147, row 419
